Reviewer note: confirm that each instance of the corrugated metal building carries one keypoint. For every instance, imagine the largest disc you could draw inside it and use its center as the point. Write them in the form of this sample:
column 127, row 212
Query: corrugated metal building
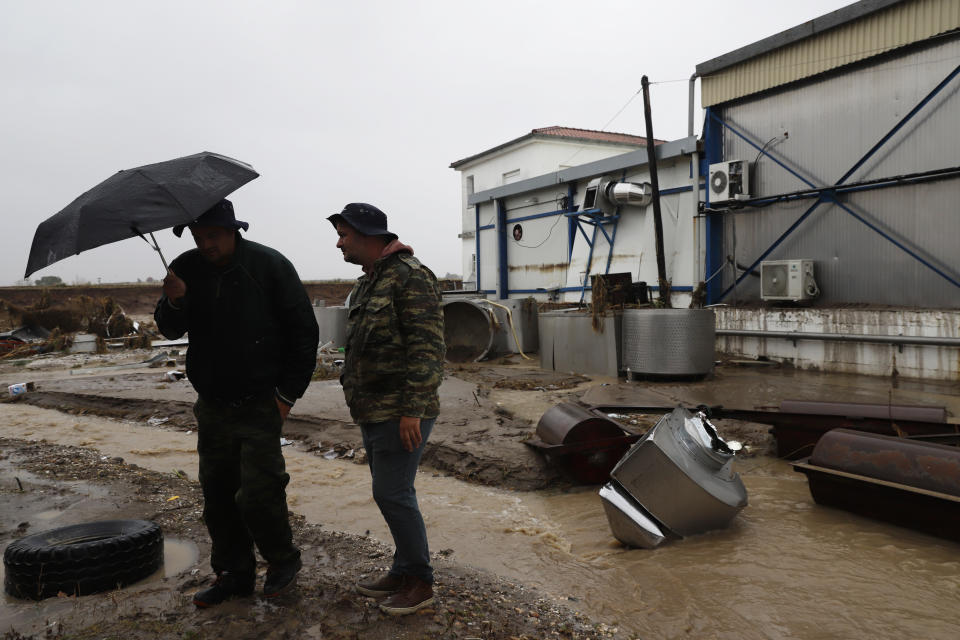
column 850, row 124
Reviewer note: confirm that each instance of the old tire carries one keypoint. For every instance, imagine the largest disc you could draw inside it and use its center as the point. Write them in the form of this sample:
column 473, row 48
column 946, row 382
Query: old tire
column 82, row 558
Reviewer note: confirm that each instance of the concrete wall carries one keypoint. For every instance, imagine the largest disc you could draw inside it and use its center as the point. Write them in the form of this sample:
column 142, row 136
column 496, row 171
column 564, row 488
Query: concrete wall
column 928, row 362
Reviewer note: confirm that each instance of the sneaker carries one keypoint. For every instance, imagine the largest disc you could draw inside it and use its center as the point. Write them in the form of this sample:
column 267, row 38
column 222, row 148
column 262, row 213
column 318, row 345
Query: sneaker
column 415, row 594
column 385, row 586
column 280, row 578
column 227, row 585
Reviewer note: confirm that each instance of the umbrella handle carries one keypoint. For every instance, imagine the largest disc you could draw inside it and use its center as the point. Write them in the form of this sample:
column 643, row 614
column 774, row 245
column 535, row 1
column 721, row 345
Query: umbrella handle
column 155, row 247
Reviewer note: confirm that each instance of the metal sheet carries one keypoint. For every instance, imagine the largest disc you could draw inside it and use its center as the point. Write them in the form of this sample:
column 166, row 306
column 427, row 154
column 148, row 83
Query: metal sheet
column 333, row 324
column 629, row 522
column 865, row 410
column 569, row 343
column 830, row 124
column 864, row 37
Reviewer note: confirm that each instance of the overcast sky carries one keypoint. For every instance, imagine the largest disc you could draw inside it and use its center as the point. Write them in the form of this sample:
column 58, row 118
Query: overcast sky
column 331, row 102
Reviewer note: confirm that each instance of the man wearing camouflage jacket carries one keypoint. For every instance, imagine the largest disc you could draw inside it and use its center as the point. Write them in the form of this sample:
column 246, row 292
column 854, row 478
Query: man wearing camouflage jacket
column 393, row 366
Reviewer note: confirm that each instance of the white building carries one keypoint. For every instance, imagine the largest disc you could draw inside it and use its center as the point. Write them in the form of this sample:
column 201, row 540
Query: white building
column 537, row 230
column 544, row 151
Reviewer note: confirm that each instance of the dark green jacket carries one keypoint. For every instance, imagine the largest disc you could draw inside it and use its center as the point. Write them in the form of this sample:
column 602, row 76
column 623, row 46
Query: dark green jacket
column 252, row 329
column 394, row 354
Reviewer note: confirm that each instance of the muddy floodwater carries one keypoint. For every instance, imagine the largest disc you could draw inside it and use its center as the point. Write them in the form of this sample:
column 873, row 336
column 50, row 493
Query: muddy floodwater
column 786, row 568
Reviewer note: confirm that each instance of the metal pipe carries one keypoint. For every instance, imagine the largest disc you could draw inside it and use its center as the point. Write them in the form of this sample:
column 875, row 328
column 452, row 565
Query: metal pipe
column 918, row 341
column 503, row 284
column 476, row 226
column 695, row 185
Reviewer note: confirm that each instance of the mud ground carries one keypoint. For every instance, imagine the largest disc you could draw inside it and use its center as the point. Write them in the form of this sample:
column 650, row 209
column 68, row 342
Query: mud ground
column 489, row 410
column 470, row 603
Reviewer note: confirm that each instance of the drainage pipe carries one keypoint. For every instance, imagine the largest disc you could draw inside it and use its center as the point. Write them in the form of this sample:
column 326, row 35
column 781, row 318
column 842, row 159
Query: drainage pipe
column 918, row 341
column 695, row 175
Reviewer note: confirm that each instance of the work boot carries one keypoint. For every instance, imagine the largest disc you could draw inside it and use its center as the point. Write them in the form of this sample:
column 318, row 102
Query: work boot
column 385, row 586
column 415, row 594
column 280, row 577
column 227, row 585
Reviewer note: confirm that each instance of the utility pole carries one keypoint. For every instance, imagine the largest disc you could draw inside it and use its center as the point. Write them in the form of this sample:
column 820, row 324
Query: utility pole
column 664, row 286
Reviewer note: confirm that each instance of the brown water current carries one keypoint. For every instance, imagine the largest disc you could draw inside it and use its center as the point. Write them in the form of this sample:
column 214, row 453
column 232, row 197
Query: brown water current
column 786, row 568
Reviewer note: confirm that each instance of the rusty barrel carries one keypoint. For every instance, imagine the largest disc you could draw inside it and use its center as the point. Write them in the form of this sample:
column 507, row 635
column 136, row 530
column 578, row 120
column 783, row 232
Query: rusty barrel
column 568, row 423
column 902, row 481
column 584, row 445
column 924, row 465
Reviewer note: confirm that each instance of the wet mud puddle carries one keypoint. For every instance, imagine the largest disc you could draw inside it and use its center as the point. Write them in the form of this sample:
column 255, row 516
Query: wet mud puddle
column 787, row 568
column 30, row 504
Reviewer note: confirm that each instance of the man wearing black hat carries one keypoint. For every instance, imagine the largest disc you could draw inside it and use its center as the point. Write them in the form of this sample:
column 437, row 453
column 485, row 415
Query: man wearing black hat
column 393, row 365
column 253, row 344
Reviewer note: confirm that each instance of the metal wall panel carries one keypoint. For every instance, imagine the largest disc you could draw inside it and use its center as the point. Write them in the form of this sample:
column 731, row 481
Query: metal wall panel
column 897, row 26
column 831, row 124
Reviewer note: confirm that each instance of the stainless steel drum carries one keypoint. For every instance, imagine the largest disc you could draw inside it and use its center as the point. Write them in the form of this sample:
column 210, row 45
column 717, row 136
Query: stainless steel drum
column 681, row 474
column 668, row 342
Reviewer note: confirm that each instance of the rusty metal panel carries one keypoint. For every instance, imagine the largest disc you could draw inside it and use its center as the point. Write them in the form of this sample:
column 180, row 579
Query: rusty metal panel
column 920, row 413
column 868, row 36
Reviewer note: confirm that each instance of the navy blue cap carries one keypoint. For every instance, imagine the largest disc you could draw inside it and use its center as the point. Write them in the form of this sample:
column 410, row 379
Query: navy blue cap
column 219, row 215
column 365, row 218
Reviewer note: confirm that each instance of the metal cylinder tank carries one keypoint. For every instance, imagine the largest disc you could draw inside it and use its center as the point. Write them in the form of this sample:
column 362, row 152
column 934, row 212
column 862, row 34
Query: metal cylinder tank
column 680, row 472
column 668, row 342
column 469, row 328
column 476, row 328
column 332, row 322
column 566, row 423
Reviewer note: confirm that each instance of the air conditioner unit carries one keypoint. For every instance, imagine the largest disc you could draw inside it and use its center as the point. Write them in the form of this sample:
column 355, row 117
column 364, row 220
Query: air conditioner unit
column 729, row 181
column 787, row 280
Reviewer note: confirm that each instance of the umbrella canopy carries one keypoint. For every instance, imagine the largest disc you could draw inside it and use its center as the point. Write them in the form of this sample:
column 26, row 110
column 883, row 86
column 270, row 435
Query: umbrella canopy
column 136, row 201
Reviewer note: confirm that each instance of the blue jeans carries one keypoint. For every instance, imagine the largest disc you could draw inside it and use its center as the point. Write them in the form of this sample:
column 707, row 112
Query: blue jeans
column 394, row 470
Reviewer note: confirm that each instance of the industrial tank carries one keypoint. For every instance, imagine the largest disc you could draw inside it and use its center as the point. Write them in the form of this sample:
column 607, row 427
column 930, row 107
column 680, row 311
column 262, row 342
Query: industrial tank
column 668, row 342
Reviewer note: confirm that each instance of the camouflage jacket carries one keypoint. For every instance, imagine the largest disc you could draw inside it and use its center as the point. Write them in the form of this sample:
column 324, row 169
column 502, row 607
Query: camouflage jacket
column 394, row 354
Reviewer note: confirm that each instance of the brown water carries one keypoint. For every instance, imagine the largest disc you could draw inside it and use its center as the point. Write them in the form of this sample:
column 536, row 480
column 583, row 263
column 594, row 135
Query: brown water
column 786, row 568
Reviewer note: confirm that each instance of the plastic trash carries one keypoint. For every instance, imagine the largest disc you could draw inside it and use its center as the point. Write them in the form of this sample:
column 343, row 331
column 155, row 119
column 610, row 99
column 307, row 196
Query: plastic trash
column 20, row 388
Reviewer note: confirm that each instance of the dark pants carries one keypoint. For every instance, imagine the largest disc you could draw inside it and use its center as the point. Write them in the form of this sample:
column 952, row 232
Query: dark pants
column 394, row 470
column 244, row 481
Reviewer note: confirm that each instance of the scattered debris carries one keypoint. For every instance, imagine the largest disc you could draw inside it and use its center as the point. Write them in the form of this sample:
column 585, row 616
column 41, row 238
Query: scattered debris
column 21, row 388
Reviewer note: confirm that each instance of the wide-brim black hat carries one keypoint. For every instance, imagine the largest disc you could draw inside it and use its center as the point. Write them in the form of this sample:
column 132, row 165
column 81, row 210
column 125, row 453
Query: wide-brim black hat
column 365, row 218
column 219, row 215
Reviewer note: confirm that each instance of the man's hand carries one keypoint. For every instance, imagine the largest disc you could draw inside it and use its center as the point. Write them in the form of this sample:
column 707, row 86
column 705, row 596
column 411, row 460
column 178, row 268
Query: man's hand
column 410, row 433
column 173, row 287
column 283, row 408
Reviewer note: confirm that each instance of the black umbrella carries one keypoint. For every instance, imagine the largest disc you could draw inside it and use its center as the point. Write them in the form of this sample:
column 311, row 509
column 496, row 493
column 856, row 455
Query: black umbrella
column 138, row 201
